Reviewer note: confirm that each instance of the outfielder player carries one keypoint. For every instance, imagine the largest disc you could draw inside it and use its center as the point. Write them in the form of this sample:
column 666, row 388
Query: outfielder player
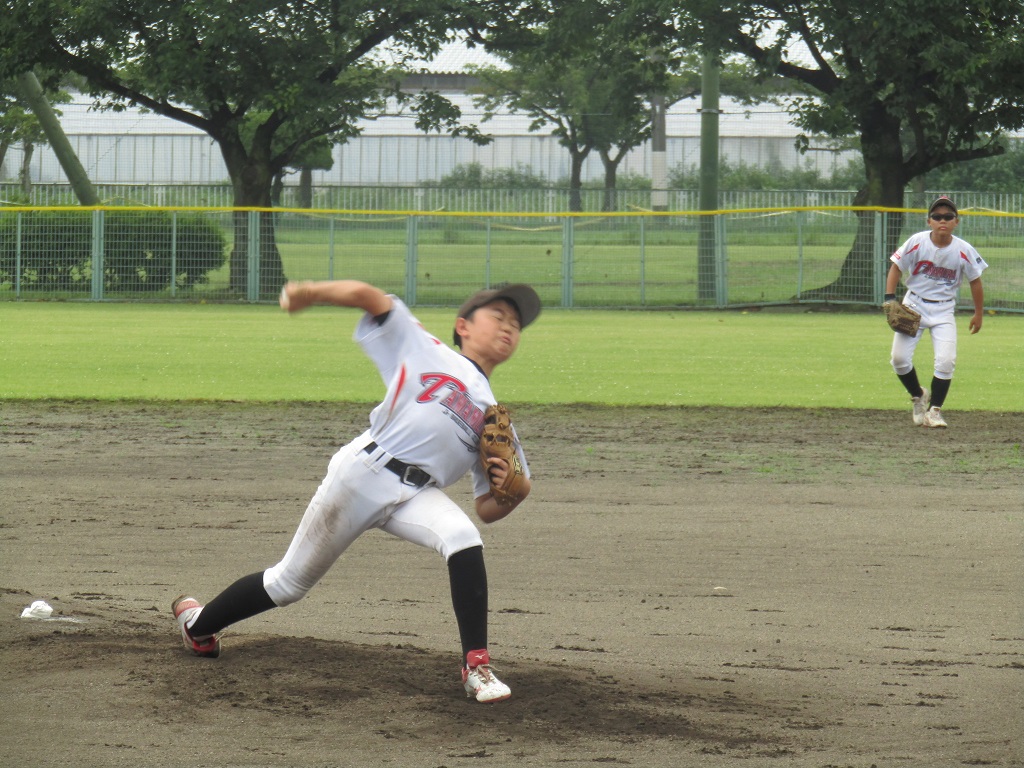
column 933, row 264
column 423, row 437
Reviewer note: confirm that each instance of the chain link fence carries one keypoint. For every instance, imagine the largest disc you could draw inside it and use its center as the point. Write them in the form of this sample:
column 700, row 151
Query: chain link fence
column 491, row 200
column 755, row 256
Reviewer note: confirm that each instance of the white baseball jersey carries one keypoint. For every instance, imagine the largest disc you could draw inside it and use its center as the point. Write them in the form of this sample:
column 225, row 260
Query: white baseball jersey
column 935, row 273
column 433, row 412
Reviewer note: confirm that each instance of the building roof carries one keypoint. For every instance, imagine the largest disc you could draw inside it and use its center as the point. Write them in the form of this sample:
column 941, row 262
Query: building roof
column 454, row 57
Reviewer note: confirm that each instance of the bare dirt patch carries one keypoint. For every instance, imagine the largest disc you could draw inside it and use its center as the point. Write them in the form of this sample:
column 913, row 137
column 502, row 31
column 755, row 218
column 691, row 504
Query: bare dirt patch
column 684, row 587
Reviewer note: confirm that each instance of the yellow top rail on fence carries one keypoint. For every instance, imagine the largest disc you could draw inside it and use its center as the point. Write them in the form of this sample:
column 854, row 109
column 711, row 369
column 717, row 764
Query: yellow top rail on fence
column 495, row 214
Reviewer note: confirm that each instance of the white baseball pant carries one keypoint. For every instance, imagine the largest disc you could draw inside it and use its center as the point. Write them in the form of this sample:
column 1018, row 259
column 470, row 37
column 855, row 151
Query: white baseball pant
column 940, row 320
column 357, row 494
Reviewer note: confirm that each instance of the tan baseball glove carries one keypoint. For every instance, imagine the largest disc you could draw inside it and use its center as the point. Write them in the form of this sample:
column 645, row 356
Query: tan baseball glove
column 901, row 318
column 499, row 441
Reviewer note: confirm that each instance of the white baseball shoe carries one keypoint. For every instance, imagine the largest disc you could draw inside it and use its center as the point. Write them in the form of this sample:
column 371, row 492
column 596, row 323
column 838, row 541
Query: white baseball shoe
column 480, row 682
column 933, row 418
column 185, row 610
column 920, row 406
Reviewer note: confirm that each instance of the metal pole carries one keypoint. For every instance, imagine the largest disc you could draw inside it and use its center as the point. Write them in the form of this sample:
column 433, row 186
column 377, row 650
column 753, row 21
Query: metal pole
column 487, row 257
column 721, row 263
column 880, row 260
column 97, row 255
column 411, row 254
column 174, row 253
column 253, row 257
column 799, row 254
column 17, row 257
column 568, row 234
column 32, row 93
column 330, row 250
column 643, row 264
column 659, row 155
column 709, row 112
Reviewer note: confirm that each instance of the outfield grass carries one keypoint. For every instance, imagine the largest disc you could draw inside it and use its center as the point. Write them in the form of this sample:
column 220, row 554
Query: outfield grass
column 231, row 352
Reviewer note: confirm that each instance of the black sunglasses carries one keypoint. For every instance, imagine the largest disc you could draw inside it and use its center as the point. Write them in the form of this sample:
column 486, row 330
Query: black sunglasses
column 943, row 216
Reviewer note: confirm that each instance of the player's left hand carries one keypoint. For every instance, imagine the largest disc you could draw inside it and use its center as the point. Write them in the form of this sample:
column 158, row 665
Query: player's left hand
column 975, row 325
column 497, row 471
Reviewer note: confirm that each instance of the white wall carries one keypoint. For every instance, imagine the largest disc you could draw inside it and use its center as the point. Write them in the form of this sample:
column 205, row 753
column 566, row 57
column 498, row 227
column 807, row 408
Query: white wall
column 136, row 147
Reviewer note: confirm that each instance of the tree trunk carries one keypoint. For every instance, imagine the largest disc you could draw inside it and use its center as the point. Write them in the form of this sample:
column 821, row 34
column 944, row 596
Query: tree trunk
column 277, row 189
column 305, row 187
column 25, row 172
column 252, row 181
column 611, row 172
column 886, row 180
column 576, row 179
column 4, row 146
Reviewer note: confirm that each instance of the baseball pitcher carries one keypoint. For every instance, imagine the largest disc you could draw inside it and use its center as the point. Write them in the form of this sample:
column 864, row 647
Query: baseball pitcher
column 423, row 436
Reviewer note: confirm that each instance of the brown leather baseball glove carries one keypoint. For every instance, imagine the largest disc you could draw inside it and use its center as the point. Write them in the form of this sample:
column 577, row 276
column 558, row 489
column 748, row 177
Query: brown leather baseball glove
column 902, row 318
column 499, row 441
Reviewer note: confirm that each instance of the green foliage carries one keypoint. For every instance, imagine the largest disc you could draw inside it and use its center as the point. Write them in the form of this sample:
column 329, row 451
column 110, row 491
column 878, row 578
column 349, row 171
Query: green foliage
column 18, row 124
column 623, row 182
column 1002, row 173
column 586, row 75
column 262, row 79
column 743, row 177
column 881, row 74
column 314, row 153
column 475, row 176
column 56, row 251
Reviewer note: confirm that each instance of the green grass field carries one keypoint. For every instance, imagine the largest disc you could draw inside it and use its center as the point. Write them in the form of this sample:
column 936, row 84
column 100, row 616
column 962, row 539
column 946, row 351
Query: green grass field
column 258, row 353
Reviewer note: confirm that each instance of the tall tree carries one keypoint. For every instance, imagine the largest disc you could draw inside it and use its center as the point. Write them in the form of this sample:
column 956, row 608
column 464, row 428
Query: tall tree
column 589, row 70
column 307, row 69
column 17, row 124
column 552, row 97
column 574, row 73
column 919, row 85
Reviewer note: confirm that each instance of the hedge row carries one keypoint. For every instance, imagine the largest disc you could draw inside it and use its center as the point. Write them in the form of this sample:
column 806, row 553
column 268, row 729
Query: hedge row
column 141, row 251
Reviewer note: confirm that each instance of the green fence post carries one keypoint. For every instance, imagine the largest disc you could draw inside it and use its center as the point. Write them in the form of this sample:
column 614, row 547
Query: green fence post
column 880, row 260
column 721, row 263
column 799, row 255
column 97, row 256
column 330, row 249
column 252, row 284
column 643, row 264
column 568, row 234
column 411, row 253
column 174, row 253
column 17, row 256
column 487, row 256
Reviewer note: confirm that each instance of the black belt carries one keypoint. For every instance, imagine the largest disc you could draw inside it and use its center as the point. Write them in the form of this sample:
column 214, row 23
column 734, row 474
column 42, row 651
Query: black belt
column 409, row 474
column 932, row 301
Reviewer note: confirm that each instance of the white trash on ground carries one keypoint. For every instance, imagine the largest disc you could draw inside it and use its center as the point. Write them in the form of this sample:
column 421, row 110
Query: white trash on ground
column 38, row 610
column 41, row 610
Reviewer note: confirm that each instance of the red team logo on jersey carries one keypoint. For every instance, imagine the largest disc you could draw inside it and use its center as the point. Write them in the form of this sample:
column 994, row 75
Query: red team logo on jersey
column 929, row 269
column 452, row 395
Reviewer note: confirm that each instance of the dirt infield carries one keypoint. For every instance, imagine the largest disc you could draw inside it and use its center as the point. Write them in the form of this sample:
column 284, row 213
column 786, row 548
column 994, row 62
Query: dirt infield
column 684, row 587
